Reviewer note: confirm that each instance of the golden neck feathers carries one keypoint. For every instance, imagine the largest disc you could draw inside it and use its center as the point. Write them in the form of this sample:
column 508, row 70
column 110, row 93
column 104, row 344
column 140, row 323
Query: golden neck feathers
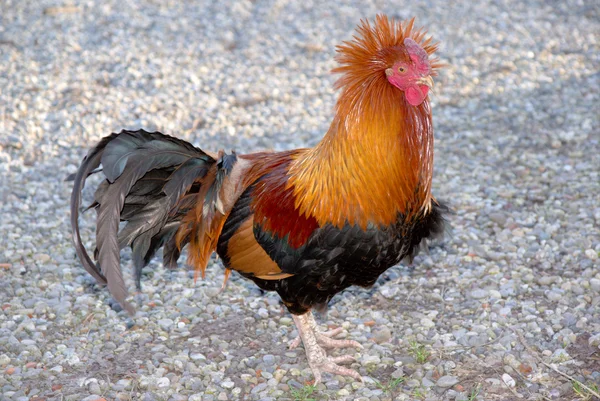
column 375, row 163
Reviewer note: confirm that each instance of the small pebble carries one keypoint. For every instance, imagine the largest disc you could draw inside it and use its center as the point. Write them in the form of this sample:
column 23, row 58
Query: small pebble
column 446, row 381
column 508, row 380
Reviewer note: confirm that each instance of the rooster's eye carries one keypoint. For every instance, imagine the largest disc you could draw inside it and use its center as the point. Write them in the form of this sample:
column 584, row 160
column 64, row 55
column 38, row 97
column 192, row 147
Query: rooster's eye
column 401, row 70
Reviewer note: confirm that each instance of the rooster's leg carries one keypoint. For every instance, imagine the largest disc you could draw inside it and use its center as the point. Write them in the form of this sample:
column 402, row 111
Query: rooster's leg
column 318, row 360
column 325, row 338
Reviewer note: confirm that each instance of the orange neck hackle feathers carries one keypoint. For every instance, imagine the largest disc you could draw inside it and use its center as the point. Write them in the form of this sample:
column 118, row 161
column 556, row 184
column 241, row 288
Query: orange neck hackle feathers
column 376, row 160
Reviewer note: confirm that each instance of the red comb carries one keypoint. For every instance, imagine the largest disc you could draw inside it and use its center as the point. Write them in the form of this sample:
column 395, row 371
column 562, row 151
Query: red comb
column 418, row 55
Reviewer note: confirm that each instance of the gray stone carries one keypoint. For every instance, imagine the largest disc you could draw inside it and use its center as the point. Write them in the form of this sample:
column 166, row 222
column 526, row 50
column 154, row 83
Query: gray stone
column 166, row 324
column 269, row 360
column 4, row 360
column 382, row 335
column 228, row 384
column 446, row 381
column 478, row 293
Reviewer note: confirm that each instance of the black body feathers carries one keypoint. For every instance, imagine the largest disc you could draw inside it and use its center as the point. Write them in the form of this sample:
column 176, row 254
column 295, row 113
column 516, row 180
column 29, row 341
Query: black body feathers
column 333, row 258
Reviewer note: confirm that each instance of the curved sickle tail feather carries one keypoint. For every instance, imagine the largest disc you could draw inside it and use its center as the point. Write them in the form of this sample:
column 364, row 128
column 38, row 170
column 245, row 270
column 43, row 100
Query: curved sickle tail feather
column 155, row 183
column 89, row 164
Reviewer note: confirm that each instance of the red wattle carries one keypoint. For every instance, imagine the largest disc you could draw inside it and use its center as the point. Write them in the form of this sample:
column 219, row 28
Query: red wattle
column 416, row 94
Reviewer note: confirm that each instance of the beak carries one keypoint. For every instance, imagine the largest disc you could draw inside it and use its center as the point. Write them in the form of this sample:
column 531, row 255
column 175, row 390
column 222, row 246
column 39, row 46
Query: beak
column 427, row 81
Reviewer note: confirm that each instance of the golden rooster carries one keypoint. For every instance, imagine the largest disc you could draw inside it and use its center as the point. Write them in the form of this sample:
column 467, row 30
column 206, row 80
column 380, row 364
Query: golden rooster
column 306, row 223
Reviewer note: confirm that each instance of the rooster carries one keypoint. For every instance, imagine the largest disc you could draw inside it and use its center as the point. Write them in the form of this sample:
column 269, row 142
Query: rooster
column 306, row 223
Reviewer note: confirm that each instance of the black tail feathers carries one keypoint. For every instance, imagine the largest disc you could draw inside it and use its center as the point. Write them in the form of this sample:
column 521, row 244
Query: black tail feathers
column 150, row 179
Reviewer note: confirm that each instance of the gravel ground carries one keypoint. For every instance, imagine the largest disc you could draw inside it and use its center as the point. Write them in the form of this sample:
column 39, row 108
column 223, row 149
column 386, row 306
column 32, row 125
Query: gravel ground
column 494, row 312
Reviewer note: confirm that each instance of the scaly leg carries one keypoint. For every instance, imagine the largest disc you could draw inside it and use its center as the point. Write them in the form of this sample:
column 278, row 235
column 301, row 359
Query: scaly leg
column 313, row 341
column 325, row 338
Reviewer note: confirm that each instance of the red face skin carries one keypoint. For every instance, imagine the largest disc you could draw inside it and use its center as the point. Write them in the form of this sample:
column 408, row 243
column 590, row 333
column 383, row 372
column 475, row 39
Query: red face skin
column 412, row 77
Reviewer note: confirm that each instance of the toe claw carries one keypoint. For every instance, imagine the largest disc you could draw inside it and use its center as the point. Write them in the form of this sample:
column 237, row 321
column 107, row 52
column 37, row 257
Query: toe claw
column 331, row 367
column 332, row 333
column 317, row 374
column 343, row 359
column 295, row 343
column 327, row 342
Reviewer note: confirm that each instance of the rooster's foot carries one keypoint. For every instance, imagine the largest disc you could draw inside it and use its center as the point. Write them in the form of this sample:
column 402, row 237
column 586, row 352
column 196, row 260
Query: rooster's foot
column 314, row 342
column 325, row 338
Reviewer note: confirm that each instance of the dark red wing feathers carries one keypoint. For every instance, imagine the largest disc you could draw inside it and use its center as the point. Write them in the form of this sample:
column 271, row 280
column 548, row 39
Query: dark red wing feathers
column 274, row 202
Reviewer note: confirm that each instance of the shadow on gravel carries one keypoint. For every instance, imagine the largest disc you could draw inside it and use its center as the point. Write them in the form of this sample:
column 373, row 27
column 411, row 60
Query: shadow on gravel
column 583, row 352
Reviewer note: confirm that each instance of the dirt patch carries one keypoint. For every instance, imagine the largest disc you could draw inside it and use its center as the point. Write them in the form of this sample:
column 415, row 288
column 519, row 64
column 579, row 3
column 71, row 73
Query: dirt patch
column 582, row 351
